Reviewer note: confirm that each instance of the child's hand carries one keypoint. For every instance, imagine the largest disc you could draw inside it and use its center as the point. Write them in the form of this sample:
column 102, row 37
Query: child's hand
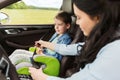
column 39, row 50
column 37, row 44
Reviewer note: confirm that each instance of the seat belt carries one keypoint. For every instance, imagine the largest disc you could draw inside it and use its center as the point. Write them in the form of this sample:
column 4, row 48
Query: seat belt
column 36, row 64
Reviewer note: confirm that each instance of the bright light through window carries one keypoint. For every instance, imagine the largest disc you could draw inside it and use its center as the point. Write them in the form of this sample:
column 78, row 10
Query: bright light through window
column 32, row 11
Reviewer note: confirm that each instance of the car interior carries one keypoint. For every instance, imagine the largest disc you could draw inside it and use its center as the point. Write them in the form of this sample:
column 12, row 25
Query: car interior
column 23, row 36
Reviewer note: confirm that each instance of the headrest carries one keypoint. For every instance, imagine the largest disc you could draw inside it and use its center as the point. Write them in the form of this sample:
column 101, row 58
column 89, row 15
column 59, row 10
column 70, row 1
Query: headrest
column 67, row 6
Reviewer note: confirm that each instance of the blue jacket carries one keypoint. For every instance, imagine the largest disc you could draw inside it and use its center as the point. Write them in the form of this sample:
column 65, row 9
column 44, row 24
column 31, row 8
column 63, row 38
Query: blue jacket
column 64, row 39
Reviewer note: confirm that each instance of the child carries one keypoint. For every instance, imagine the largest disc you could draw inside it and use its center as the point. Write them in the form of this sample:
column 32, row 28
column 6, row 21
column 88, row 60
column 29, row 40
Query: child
column 62, row 24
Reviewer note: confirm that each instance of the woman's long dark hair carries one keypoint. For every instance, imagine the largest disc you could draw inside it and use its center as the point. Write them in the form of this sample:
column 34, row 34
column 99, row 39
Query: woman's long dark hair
column 106, row 31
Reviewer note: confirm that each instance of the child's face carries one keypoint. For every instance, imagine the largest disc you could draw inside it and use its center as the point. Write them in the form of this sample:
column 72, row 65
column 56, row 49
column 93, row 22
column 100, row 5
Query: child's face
column 60, row 26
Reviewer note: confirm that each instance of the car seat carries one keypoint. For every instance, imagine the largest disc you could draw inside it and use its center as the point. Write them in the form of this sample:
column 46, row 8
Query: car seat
column 67, row 61
column 77, row 35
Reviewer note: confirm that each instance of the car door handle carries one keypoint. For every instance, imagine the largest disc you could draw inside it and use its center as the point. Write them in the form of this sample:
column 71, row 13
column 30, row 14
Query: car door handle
column 12, row 31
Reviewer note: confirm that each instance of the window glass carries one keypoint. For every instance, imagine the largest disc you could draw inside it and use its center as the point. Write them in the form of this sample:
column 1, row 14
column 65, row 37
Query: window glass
column 32, row 11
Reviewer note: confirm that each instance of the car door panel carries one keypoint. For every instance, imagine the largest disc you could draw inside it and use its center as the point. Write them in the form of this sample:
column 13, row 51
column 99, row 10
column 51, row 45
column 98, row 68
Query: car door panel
column 23, row 37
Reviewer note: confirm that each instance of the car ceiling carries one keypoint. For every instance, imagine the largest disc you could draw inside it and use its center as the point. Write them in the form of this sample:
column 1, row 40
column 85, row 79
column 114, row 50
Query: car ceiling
column 4, row 3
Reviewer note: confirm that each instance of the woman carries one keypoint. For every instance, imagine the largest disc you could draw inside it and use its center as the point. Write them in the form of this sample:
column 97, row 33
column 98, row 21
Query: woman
column 99, row 57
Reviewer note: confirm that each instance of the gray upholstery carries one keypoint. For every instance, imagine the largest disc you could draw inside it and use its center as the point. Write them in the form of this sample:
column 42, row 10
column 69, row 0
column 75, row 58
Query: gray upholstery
column 67, row 61
column 66, row 6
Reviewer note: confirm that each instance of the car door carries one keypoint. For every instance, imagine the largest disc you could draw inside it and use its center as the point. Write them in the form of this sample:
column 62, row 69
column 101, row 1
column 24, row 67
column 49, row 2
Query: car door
column 23, row 36
column 20, row 31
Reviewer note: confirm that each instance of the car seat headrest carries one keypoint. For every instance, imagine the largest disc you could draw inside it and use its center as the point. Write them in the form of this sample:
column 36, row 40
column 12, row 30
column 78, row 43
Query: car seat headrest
column 67, row 6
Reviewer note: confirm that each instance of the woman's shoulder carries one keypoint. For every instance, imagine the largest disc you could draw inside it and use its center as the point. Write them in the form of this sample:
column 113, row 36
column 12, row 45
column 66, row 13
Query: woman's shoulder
column 112, row 47
column 113, row 44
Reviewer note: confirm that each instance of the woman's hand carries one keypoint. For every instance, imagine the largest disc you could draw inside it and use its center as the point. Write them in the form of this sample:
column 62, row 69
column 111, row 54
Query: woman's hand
column 37, row 74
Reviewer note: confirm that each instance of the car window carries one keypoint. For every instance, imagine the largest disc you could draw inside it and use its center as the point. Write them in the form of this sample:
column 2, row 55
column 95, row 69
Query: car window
column 32, row 11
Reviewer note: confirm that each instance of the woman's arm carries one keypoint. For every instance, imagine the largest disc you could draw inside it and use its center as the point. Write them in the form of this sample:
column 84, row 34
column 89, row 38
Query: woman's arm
column 62, row 49
column 105, row 67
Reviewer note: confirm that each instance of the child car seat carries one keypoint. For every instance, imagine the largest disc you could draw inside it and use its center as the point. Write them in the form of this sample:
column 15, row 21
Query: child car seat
column 50, row 65
column 67, row 61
